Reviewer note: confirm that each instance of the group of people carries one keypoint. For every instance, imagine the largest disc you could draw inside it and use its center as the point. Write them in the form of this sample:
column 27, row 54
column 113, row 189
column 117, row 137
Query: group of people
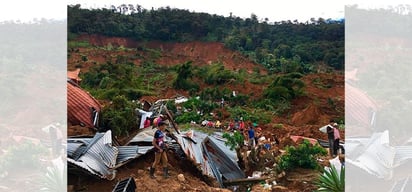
column 155, row 123
column 333, row 138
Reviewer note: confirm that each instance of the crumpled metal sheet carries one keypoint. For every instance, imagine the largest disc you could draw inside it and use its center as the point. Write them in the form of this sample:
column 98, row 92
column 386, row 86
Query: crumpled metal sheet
column 98, row 156
column 213, row 156
column 194, row 150
column 403, row 155
column 224, row 168
column 145, row 136
column 375, row 155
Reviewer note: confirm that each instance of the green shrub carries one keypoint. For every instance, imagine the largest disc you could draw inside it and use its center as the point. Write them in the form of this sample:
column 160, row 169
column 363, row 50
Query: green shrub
column 234, row 140
column 216, row 74
column 287, row 87
column 188, row 117
column 237, row 112
column 119, row 116
column 277, row 107
column 303, row 156
column 240, row 99
column 184, row 73
column 23, row 156
column 194, row 104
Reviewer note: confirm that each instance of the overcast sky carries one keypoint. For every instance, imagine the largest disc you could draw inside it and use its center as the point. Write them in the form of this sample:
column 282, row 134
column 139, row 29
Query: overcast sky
column 274, row 10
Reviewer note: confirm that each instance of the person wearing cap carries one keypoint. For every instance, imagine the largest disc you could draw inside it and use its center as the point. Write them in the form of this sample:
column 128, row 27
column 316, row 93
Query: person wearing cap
column 331, row 137
column 160, row 151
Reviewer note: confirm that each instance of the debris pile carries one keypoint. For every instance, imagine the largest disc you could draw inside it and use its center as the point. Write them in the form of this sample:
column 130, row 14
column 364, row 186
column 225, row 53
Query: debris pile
column 98, row 156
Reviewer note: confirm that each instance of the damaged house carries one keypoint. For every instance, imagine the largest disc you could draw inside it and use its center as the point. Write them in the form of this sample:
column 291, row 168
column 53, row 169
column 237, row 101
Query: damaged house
column 82, row 108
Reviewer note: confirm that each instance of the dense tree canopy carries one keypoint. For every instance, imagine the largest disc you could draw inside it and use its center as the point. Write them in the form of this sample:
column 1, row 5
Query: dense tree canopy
column 272, row 44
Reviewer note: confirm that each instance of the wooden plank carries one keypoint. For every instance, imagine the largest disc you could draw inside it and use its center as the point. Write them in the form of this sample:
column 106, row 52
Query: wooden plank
column 170, row 117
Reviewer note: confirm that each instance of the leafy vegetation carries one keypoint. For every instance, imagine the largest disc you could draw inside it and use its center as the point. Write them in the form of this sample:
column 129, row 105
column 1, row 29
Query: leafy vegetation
column 119, row 116
column 23, row 156
column 284, row 46
column 234, row 141
column 184, row 74
column 188, row 117
column 331, row 180
column 303, row 156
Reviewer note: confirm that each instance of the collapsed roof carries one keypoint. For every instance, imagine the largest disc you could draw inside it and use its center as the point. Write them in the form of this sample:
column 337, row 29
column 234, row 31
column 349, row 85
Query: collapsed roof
column 376, row 156
column 214, row 158
column 82, row 108
column 98, row 156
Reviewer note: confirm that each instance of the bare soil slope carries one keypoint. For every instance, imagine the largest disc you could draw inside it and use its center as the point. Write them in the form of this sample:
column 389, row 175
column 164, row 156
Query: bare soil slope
column 323, row 100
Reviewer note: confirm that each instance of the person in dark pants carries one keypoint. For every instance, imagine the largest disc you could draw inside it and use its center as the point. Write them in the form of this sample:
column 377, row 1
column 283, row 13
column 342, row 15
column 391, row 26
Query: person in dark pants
column 336, row 139
column 331, row 137
column 160, row 151
column 251, row 137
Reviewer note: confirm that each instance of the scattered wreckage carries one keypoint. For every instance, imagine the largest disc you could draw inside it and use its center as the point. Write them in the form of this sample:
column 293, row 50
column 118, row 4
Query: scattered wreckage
column 100, row 155
column 376, row 163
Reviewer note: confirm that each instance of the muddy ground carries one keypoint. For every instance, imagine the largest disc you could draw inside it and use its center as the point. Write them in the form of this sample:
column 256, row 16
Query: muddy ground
column 323, row 100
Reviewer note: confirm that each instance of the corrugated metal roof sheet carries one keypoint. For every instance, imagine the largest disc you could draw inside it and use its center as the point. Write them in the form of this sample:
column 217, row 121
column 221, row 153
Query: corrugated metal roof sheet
column 98, row 156
column 213, row 156
column 83, row 167
column 403, row 185
column 376, row 157
column 224, row 166
column 145, row 136
column 72, row 148
column 126, row 153
column 403, row 154
column 208, row 151
column 194, row 150
column 79, row 106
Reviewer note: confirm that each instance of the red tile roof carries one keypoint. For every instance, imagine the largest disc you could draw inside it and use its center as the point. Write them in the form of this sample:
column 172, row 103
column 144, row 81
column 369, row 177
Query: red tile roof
column 358, row 105
column 74, row 75
column 79, row 106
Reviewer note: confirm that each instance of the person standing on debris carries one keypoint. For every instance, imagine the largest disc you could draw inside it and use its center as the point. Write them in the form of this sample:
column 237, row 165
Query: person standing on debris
column 331, row 137
column 251, row 136
column 146, row 123
column 336, row 136
column 160, row 151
